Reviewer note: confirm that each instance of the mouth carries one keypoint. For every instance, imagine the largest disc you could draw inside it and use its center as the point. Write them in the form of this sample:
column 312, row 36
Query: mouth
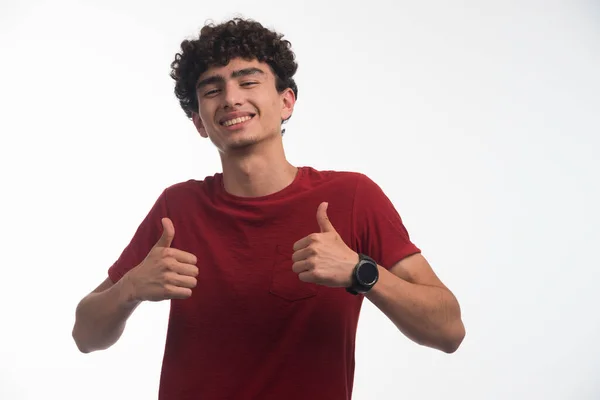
column 237, row 122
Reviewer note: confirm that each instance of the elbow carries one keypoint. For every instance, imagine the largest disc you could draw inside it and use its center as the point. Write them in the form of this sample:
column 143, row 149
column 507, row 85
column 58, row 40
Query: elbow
column 454, row 338
column 78, row 342
column 83, row 350
column 76, row 333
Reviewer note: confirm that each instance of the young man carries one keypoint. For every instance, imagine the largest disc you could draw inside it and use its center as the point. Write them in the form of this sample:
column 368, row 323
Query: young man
column 266, row 264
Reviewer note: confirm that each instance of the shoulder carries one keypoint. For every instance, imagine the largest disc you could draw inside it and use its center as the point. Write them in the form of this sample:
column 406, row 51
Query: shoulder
column 193, row 187
column 351, row 180
column 334, row 176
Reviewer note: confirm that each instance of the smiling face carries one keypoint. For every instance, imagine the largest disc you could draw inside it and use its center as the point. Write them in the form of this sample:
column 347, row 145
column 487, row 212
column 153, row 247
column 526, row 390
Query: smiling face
column 239, row 105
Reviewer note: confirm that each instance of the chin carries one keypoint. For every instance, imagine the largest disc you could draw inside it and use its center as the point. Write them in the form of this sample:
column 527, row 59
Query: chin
column 240, row 144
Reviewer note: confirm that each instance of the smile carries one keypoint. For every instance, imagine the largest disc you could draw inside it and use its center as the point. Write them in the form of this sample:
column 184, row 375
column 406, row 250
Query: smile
column 237, row 121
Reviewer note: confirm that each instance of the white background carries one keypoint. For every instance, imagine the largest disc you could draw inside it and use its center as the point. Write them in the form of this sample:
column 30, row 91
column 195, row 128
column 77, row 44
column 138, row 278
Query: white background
column 479, row 119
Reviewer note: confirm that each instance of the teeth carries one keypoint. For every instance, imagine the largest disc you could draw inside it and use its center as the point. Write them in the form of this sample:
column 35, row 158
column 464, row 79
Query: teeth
column 236, row 121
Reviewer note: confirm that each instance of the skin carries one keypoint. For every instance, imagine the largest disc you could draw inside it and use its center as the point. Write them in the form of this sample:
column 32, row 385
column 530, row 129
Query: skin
column 253, row 158
column 254, row 164
column 410, row 294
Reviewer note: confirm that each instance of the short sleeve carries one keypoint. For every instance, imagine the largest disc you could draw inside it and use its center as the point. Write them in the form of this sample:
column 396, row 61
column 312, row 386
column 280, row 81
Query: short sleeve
column 146, row 236
column 377, row 226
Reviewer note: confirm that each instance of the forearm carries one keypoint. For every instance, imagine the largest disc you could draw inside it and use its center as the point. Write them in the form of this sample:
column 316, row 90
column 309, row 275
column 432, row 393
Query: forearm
column 100, row 317
column 428, row 315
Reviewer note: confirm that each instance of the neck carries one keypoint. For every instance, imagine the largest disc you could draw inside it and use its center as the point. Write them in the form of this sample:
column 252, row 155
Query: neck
column 257, row 173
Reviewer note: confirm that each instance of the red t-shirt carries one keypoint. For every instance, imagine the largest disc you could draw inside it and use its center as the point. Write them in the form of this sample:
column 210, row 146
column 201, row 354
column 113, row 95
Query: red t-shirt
column 252, row 329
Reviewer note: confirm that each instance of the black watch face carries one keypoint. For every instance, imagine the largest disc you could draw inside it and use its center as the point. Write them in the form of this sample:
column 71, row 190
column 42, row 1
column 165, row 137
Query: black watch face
column 367, row 273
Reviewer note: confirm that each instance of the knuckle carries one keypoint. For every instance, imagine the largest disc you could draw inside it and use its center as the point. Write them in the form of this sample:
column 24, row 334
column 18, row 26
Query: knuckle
column 317, row 274
column 166, row 252
column 166, row 265
column 170, row 278
column 167, row 290
column 181, row 293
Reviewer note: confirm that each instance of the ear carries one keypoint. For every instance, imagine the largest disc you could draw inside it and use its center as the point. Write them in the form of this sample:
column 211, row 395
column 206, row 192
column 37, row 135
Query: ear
column 199, row 125
column 288, row 99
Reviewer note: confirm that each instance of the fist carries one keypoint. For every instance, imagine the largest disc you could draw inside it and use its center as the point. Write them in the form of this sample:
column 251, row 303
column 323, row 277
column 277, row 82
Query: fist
column 323, row 257
column 166, row 273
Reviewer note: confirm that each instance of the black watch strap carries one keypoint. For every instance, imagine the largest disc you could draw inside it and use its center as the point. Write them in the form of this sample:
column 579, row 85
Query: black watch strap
column 364, row 275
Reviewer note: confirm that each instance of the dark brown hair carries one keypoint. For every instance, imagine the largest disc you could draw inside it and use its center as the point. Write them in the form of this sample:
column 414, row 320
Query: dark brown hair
column 218, row 44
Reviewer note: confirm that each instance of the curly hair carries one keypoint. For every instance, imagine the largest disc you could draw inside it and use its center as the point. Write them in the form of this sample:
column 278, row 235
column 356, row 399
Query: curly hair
column 218, row 44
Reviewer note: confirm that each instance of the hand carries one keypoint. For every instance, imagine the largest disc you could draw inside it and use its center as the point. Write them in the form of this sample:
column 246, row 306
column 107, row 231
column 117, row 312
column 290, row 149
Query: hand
column 166, row 273
column 323, row 257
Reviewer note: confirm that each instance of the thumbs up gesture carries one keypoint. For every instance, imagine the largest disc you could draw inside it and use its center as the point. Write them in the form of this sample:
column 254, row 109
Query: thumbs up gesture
column 323, row 257
column 166, row 273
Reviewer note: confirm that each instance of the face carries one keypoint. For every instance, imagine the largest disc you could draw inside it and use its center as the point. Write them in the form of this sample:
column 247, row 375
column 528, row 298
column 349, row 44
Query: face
column 239, row 105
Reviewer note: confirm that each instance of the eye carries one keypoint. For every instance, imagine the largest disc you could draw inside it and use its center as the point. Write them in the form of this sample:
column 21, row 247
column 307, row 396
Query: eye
column 246, row 84
column 211, row 92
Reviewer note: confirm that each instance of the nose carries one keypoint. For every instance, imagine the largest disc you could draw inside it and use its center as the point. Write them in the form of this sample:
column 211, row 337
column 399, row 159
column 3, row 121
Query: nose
column 233, row 96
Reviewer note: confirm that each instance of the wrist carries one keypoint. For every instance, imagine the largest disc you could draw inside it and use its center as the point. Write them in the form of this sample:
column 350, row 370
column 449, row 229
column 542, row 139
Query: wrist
column 127, row 291
column 350, row 280
column 364, row 275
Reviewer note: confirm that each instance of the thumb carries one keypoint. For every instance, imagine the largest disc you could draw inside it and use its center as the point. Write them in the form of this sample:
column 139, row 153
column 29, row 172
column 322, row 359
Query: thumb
column 323, row 219
column 167, row 235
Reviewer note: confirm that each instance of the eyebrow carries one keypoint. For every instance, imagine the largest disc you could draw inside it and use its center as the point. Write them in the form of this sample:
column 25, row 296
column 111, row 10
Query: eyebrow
column 235, row 74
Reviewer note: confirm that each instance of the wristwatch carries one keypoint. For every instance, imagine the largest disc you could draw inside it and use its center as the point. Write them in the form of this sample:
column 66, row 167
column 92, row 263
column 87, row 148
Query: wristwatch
column 364, row 276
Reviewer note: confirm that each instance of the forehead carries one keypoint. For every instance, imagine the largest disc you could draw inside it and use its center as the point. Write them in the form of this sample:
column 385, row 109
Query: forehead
column 236, row 64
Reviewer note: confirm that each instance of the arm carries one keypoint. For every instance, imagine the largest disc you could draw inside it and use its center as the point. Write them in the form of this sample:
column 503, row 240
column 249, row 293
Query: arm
column 166, row 273
column 410, row 294
column 419, row 304
column 101, row 316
